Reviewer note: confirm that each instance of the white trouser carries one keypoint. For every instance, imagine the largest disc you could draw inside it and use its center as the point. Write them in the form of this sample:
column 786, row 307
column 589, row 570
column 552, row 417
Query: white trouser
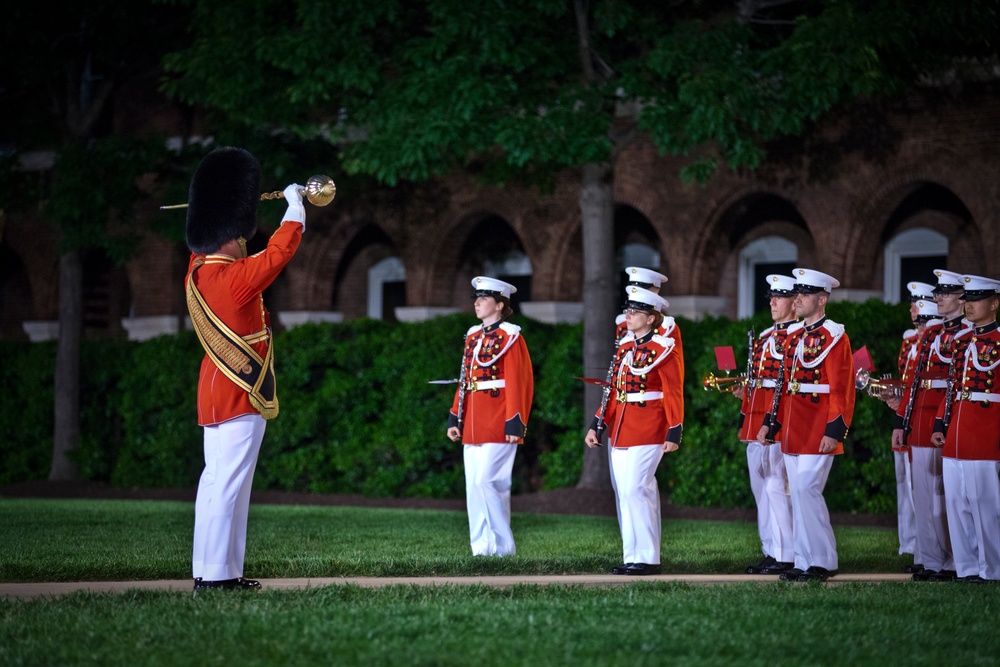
column 488, row 469
column 933, row 542
column 812, row 533
column 223, row 500
column 905, row 517
column 634, row 472
column 614, row 487
column 769, row 484
column 972, row 496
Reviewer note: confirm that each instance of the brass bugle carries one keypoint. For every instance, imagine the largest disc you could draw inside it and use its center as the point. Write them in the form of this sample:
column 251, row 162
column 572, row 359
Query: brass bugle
column 723, row 384
column 885, row 387
column 319, row 190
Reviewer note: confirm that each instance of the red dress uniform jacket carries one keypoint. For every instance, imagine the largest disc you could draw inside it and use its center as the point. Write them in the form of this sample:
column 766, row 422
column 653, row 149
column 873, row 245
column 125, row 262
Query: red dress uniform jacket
column 819, row 401
column 500, row 385
column 934, row 353
column 768, row 355
column 974, row 429
column 651, row 366
column 233, row 290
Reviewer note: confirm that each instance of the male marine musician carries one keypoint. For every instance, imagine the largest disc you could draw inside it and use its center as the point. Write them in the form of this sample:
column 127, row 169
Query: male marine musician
column 971, row 455
column 922, row 309
column 922, row 398
column 765, row 463
column 236, row 387
column 812, row 422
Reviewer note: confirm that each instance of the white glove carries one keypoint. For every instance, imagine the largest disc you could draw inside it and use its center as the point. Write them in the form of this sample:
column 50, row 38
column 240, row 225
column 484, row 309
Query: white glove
column 296, row 210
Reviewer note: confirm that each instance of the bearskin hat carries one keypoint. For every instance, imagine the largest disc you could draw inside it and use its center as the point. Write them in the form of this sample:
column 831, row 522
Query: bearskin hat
column 222, row 199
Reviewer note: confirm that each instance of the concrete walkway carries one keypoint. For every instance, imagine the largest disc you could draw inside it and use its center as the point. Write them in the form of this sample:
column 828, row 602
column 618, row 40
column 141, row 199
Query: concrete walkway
column 28, row 591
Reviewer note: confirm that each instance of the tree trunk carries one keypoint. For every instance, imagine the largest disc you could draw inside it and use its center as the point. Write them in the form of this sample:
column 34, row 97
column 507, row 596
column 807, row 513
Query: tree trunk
column 597, row 216
column 67, row 390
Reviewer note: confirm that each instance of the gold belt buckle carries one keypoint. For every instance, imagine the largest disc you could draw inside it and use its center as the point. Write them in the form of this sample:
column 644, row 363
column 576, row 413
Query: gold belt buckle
column 925, row 384
column 473, row 385
column 965, row 395
column 793, row 388
column 622, row 397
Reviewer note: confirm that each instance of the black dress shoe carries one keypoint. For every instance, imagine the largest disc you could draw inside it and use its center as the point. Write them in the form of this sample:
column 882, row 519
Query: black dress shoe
column 209, row 585
column 790, row 575
column 778, row 568
column 814, row 573
column 227, row 584
column 642, row 569
column 943, row 575
column 759, row 567
column 973, row 579
column 913, row 569
column 620, row 569
column 923, row 575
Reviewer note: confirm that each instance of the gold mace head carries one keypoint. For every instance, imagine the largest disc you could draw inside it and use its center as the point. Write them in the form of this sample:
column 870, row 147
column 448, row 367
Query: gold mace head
column 320, row 190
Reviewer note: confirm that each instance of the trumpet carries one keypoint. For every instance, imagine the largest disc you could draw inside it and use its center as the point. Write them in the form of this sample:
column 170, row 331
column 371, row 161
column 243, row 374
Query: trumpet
column 725, row 384
column 882, row 388
column 319, row 190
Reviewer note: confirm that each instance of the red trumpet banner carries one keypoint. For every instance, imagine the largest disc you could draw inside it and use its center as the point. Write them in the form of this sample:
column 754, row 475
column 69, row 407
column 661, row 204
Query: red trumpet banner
column 725, row 358
column 863, row 360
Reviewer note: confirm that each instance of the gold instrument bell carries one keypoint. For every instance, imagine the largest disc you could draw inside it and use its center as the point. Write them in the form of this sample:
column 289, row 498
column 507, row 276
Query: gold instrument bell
column 881, row 388
column 725, row 384
column 319, row 191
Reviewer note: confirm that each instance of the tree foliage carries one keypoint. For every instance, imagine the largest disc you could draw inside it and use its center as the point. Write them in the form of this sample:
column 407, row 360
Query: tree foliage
column 414, row 89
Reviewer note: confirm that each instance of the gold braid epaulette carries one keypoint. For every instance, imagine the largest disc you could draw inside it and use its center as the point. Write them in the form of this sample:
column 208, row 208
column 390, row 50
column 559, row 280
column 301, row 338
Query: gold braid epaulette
column 222, row 348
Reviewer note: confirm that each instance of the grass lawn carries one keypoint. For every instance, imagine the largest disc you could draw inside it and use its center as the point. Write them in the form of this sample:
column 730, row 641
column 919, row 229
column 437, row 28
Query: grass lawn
column 95, row 540
column 640, row 623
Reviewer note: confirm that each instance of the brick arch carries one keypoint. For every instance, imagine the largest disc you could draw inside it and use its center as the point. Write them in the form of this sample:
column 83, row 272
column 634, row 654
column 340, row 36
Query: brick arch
column 445, row 272
column 747, row 214
column 369, row 245
column 325, row 258
column 873, row 218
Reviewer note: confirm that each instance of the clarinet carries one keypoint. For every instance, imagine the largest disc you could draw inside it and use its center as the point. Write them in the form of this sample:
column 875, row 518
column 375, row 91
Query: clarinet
column 779, row 386
column 751, row 337
column 462, row 378
column 908, row 413
column 607, row 392
column 949, row 394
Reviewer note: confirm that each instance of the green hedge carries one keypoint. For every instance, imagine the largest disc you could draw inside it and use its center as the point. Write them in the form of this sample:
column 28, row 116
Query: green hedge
column 357, row 414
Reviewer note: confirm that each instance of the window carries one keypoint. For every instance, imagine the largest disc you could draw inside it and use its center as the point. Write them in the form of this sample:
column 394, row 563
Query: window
column 758, row 259
column 912, row 255
column 386, row 288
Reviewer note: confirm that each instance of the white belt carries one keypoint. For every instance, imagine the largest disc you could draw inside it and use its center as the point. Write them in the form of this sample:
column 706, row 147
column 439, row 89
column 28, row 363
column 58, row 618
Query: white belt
column 487, row 384
column 766, row 384
column 933, row 384
column 803, row 388
column 980, row 396
column 640, row 396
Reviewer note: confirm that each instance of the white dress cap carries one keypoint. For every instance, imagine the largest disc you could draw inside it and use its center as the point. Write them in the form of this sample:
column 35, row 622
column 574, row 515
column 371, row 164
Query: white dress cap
column 639, row 297
column 486, row 286
column 948, row 282
column 808, row 281
column 644, row 277
column 926, row 309
column 778, row 285
column 978, row 287
column 920, row 291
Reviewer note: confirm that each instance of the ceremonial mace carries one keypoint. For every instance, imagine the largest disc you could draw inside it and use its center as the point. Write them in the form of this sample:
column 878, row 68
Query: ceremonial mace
column 319, row 190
